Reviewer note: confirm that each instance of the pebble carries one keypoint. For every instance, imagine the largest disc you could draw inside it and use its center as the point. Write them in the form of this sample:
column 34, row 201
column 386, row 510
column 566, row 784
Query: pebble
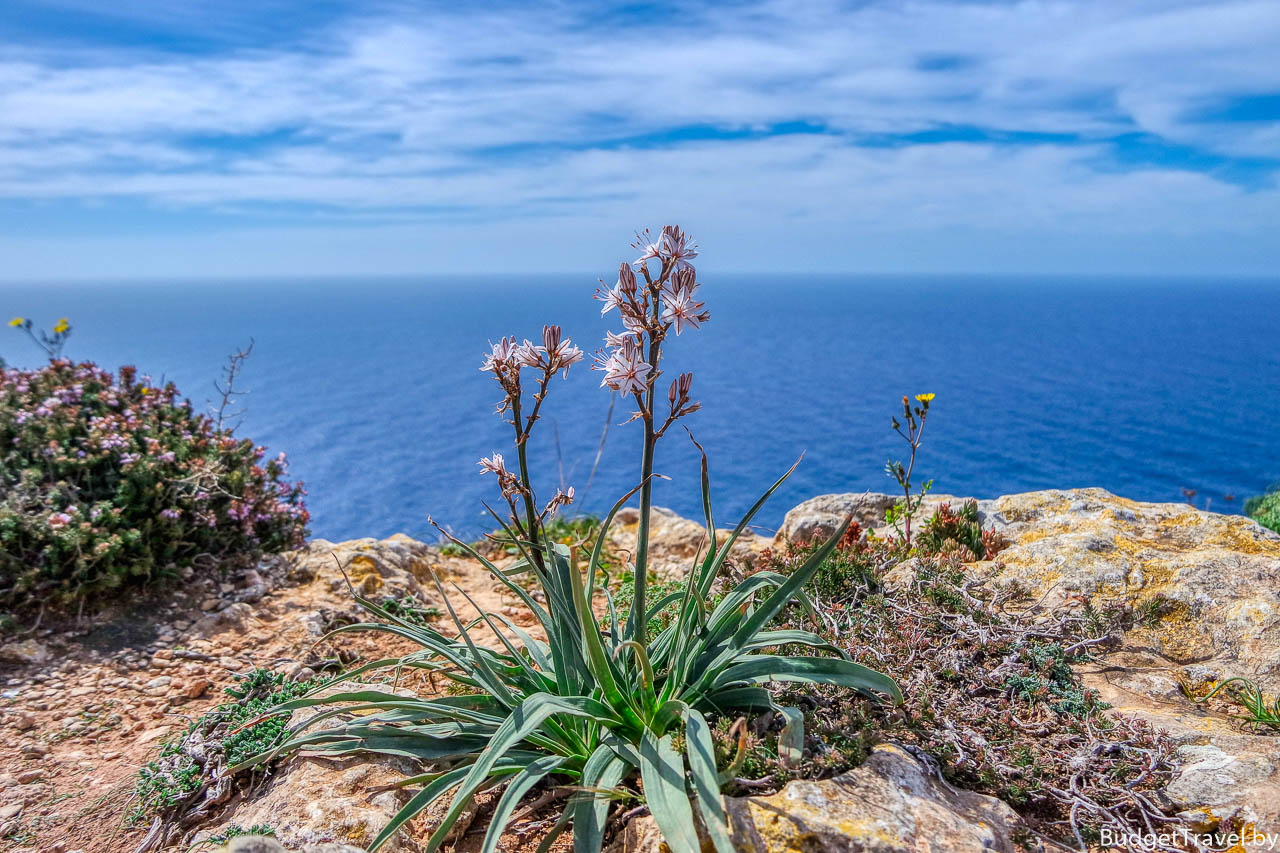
column 26, row 777
column 25, row 722
column 196, row 687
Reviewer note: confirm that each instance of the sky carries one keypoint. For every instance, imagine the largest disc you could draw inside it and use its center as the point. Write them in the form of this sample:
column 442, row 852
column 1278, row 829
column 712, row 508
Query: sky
column 144, row 139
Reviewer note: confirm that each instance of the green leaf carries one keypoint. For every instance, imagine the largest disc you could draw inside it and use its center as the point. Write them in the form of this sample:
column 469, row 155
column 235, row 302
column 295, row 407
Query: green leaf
column 604, row 769
column 791, row 738
column 524, row 720
column 516, row 788
column 662, row 772
column 419, row 801
column 706, row 784
column 715, row 559
column 812, row 670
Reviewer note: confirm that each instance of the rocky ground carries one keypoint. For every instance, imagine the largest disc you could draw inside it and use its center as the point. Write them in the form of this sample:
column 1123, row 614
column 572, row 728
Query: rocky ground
column 83, row 709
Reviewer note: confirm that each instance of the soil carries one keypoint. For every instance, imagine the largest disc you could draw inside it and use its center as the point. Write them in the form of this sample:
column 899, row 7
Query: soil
column 78, row 725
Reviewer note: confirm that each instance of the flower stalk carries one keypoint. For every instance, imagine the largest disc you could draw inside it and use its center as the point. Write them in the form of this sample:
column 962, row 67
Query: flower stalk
column 666, row 300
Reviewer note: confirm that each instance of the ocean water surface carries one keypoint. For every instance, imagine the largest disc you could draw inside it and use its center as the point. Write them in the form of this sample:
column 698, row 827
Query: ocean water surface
column 1142, row 387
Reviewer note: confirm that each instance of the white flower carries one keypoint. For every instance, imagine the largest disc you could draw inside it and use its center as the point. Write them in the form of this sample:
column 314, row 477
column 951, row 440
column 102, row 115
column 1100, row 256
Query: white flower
column 676, row 248
column 625, row 369
column 527, row 354
column 500, row 354
column 507, row 481
column 683, row 311
column 562, row 498
column 611, row 298
column 617, row 339
column 560, row 353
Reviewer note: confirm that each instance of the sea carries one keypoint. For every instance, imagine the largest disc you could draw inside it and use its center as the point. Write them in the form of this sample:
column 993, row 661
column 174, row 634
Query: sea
column 1149, row 388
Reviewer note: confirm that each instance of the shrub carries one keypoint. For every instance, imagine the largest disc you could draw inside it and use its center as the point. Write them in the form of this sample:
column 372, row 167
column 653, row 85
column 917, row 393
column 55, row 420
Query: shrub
column 588, row 708
column 109, row 483
column 173, row 786
column 989, row 694
column 1265, row 509
column 950, row 532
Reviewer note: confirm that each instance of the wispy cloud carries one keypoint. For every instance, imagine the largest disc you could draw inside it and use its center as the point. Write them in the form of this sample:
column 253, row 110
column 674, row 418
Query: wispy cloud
column 1028, row 119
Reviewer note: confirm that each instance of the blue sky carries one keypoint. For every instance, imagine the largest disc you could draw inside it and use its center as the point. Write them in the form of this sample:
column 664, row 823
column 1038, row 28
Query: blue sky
column 143, row 139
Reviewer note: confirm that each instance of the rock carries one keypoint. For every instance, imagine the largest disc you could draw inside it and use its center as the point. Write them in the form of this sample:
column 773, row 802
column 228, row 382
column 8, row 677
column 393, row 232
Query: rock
column 1205, row 589
column 1210, row 582
column 157, row 686
column 25, row 721
column 234, row 617
column 890, row 804
column 196, row 687
column 675, row 541
column 396, row 566
column 254, row 844
column 10, row 811
column 26, row 777
column 819, row 517
column 347, row 811
column 264, row 844
column 1224, row 774
column 29, row 652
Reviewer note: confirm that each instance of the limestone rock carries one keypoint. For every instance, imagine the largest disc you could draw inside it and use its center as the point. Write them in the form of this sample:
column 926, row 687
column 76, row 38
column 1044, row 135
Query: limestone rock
column 1224, row 773
column 1208, row 588
column 395, row 566
column 263, row 844
column 818, row 518
column 1210, row 581
column 25, row 652
column 674, row 541
column 312, row 802
column 890, row 804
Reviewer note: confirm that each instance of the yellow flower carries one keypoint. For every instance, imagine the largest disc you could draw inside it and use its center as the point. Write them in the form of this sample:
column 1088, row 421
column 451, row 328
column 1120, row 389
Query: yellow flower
column 144, row 391
column 17, row 321
column 924, row 398
column 62, row 326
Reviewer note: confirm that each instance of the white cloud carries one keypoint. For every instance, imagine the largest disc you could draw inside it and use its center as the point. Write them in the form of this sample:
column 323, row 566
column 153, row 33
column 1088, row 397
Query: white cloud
column 394, row 114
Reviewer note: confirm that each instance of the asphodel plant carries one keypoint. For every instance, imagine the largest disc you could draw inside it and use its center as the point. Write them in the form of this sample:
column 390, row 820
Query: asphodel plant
column 588, row 702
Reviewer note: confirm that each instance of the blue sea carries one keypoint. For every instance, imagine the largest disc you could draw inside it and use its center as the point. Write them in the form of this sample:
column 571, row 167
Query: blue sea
column 372, row 387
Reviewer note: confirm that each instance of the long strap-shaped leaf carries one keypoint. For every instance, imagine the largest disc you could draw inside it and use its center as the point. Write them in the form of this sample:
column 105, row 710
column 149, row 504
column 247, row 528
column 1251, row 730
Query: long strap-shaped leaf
column 601, row 662
column 662, row 772
column 480, row 669
column 524, row 720
column 715, row 559
column 444, row 783
column 604, row 769
column 755, row 621
column 813, row 670
column 706, row 784
column 516, row 788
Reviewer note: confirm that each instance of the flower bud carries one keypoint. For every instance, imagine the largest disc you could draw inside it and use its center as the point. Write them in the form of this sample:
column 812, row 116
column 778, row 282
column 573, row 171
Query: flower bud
column 626, row 279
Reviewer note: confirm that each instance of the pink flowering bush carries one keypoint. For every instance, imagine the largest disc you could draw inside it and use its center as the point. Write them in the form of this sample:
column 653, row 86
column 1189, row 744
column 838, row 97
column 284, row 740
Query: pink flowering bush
column 109, row 483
